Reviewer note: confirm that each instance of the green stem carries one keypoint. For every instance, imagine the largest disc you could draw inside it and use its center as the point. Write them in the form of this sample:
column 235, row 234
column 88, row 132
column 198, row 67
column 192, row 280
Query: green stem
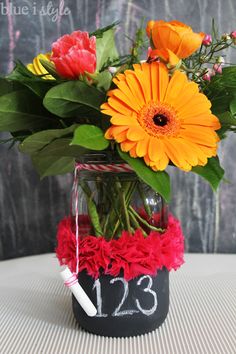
column 115, row 212
column 123, row 203
column 144, row 222
column 136, row 224
column 62, row 123
column 92, row 209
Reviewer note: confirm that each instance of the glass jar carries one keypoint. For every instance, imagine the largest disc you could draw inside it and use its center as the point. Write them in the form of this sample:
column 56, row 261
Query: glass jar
column 110, row 202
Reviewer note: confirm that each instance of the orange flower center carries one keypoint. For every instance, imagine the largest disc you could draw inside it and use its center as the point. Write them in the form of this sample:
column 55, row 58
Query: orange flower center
column 159, row 119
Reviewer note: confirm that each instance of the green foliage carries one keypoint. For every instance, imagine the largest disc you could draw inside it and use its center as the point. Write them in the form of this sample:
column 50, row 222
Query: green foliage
column 212, row 172
column 38, row 141
column 221, row 91
column 106, row 48
column 61, row 147
column 159, row 181
column 228, row 122
column 99, row 32
column 52, row 166
column 90, row 137
column 35, row 83
column 58, row 157
column 103, row 80
column 74, row 99
column 22, row 110
column 50, row 67
column 139, row 44
column 232, row 106
column 214, row 30
column 7, row 86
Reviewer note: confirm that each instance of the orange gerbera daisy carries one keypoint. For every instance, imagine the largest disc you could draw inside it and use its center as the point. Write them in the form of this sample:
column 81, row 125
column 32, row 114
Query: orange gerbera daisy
column 161, row 119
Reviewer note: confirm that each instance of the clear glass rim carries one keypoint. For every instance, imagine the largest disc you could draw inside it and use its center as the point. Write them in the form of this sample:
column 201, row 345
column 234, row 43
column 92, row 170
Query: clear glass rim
column 105, row 158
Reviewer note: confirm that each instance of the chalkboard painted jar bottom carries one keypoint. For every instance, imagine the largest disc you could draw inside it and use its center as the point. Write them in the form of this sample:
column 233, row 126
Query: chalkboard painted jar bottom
column 125, row 309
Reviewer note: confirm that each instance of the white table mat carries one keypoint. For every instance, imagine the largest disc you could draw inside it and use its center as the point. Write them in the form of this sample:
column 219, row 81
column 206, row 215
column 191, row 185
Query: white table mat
column 36, row 314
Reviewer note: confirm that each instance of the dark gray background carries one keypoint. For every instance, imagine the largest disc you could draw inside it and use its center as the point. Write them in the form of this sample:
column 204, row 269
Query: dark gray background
column 30, row 209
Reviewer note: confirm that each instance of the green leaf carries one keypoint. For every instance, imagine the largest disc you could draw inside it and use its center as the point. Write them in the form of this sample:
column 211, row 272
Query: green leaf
column 90, row 137
column 35, row 83
column 212, row 172
column 52, row 166
column 58, row 157
column 226, row 118
column 106, row 48
column 50, row 67
column 159, row 181
column 233, row 107
column 7, row 86
column 104, row 80
column 221, row 91
column 74, row 99
column 39, row 140
column 228, row 77
column 99, row 32
column 22, row 110
column 227, row 122
column 214, row 31
column 61, row 147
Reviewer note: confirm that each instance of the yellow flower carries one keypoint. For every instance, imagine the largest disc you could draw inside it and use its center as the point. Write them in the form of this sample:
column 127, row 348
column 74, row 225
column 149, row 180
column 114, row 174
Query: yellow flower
column 161, row 119
column 37, row 68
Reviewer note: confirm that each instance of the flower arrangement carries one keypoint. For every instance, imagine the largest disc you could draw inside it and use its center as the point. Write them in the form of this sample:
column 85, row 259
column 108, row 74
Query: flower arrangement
column 83, row 97
column 170, row 109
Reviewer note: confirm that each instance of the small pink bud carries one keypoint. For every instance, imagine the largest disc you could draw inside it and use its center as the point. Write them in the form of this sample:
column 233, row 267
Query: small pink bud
column 206, row 77
column 233, row 34
column 207, row 40
column 217, row 68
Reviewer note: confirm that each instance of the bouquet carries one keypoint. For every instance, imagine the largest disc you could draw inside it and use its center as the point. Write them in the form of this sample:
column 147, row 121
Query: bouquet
column 168, row 102
column 172, row 108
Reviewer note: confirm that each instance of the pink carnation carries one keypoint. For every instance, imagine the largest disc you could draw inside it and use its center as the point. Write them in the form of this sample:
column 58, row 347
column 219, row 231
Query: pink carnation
column 74, row 54
column 131, row 254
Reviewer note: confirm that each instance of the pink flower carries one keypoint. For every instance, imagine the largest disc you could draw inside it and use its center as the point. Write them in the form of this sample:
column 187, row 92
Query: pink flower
column 74, row 54
column 217, row 68
column 207, row 76
column 233, row 34
column 132, row 254
column 207, row 40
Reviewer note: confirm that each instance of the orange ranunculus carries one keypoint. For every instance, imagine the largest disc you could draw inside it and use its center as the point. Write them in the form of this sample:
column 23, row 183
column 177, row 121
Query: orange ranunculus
column 174, row 39
column 149, row 27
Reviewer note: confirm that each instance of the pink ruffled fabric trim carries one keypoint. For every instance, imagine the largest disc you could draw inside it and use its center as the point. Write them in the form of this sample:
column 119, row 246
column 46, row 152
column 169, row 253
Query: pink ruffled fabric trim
column 132, row 254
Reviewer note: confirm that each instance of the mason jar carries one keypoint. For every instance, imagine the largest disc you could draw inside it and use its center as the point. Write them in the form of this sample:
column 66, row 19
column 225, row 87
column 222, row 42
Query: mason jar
column 111, row 199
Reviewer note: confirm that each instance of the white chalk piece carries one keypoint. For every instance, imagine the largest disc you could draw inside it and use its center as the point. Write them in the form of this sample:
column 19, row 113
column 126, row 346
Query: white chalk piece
column 79, row 293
